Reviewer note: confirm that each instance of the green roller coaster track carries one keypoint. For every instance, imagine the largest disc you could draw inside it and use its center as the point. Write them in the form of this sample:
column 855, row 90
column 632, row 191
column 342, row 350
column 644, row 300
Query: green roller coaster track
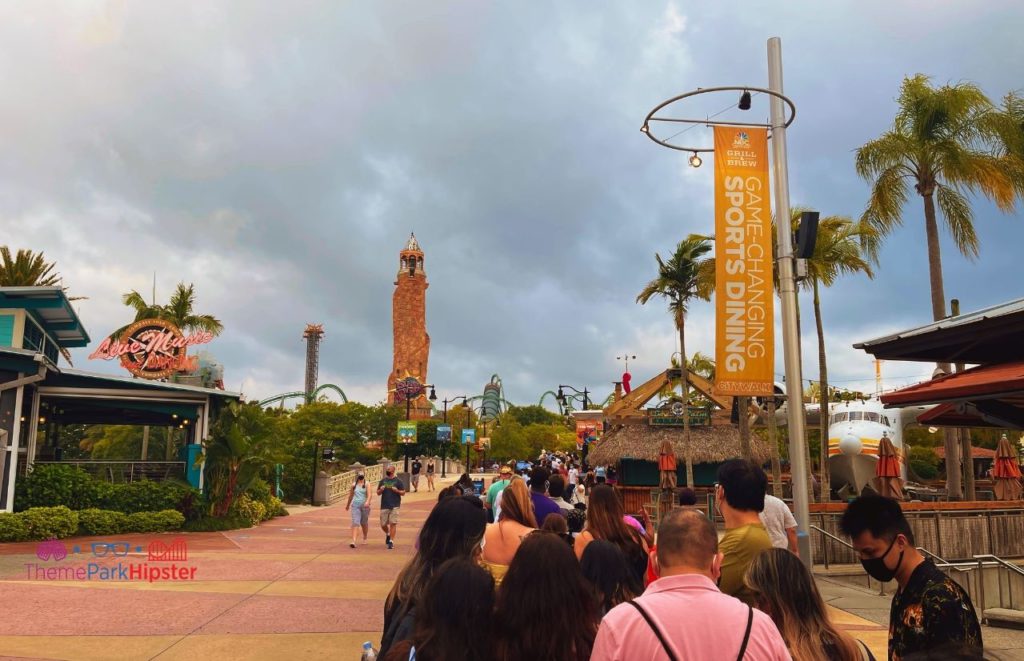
column 562, row 410
column 302, row 395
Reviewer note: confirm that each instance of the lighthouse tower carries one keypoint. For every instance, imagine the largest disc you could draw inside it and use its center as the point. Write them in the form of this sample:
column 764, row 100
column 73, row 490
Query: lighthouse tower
column 409, row 323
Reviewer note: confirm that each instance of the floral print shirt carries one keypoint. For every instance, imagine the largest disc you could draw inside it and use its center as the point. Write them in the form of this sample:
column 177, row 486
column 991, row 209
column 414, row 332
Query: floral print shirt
column 931, row 611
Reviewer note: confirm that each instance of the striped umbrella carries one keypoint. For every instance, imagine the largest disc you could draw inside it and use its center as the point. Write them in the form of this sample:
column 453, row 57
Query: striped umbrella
column 1006, row 472
column 888, row 481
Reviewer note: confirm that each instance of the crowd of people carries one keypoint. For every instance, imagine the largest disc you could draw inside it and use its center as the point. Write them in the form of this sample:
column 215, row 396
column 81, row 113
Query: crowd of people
column 536, row 566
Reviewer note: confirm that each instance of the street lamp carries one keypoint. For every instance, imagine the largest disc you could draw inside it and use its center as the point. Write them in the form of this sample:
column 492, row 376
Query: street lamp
column 483, row 421
column 444, row 418
column 584, row 393
column 408, row 409
column 777, row 126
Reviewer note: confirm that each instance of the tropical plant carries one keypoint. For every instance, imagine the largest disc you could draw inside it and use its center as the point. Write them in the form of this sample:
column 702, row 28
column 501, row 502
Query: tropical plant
column 684, row 277
column 30, row 269
column 237, row 452
column 27, row 269
column 949, row 142
column 179, row 311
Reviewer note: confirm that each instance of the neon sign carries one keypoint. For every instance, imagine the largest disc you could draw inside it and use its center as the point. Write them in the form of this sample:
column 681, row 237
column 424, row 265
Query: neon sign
column 152, row 349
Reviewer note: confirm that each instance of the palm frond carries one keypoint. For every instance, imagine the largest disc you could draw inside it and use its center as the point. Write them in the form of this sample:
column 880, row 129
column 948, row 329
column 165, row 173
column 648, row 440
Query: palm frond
column 959, row 219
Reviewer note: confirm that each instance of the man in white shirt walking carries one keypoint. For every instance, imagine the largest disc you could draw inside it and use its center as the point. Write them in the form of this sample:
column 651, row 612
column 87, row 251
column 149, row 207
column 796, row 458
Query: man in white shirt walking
column 778, row 520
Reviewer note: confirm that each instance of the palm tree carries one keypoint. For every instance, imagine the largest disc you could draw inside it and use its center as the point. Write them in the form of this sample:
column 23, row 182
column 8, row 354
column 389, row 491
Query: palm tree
column 30, row 269
column 838, row 251
column 681, row 279
column 948, row 141
column 26, row 269
column 178, row 311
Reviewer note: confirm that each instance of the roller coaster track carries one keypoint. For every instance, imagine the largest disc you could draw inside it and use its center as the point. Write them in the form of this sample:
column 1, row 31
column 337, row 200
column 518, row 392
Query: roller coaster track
column 607, row 400
column 301, row 395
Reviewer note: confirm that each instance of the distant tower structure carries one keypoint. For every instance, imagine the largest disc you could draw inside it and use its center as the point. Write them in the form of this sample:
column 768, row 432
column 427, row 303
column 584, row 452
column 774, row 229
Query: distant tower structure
column 313, row 334
column 409, row 322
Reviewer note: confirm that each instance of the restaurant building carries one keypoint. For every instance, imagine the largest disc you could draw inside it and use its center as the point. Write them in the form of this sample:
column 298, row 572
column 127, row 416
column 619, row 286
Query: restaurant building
column 39, row 395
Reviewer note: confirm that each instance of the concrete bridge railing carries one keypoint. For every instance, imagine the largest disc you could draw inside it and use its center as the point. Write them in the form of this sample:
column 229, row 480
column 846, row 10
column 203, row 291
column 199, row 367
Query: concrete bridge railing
column 330, row 489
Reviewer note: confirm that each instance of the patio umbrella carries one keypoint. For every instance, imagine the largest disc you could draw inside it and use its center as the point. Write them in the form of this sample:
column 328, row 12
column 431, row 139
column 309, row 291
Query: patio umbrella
column 887, row 480
column 667, row 475
column 1006, row 472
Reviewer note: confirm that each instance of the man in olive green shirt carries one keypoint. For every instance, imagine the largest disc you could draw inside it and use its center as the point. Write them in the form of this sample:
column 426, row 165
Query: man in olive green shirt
column 740, row 494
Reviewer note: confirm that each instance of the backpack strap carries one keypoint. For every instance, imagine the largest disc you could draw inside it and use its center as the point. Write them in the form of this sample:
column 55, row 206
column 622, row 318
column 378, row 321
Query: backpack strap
column 746, row 634
column 657, row 632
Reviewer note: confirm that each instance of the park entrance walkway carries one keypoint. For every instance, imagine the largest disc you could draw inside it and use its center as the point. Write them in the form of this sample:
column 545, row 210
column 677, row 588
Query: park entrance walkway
column 290, row 588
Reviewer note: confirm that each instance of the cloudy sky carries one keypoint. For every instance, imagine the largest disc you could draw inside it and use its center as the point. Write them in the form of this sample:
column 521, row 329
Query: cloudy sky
column 277, row 155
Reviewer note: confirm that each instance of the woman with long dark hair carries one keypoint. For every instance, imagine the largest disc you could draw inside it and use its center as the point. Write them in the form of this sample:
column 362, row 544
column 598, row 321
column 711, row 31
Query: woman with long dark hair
column 455, row 618
column 531, row 617
column 515, row 522
column 605, row 567
column 453, row 530
column 606, row 520
column 785, row 590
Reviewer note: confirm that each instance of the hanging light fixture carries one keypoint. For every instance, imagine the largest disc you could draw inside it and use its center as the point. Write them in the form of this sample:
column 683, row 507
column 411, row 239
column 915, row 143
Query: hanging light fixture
column 745, row 100
column 695, row 160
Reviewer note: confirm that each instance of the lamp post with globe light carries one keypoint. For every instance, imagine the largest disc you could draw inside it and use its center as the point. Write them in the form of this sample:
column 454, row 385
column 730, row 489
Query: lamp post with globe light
column 777, row 125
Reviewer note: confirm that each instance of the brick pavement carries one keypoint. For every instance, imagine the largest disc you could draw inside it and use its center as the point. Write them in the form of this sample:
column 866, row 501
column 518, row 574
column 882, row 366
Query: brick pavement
column 289, row 588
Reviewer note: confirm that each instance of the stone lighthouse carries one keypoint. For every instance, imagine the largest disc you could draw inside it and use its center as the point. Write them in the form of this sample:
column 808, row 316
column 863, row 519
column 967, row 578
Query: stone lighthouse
column 409, row 323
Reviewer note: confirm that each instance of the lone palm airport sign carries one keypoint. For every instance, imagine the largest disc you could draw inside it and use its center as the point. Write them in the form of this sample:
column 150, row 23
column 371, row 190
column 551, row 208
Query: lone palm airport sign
column 152, row 349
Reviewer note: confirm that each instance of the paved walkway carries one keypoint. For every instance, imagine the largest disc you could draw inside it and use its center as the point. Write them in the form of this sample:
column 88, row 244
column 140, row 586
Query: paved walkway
column 290, row 588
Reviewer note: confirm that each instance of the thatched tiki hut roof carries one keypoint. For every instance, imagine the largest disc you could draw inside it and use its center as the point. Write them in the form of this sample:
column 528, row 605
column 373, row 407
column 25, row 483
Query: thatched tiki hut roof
column 712, row 444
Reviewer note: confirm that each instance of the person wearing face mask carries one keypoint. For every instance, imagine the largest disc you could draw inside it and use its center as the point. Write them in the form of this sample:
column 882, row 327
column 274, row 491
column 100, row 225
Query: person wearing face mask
column 715, row 625
column 739, row 495
column 390, row 489
column 929, row 610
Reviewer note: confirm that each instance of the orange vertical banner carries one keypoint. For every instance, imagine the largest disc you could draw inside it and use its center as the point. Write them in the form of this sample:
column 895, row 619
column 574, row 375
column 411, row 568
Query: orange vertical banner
column 744, row 310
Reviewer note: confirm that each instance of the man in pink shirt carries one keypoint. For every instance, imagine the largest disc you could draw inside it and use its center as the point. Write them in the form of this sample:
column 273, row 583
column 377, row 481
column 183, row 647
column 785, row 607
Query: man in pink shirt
column 682, row 615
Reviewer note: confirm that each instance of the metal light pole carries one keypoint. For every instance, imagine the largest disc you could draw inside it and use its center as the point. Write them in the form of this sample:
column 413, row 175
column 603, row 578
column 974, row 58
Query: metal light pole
column 446, row 402
column 584, row 392
column 469, row 421
column 787, row 292
column 408, row 406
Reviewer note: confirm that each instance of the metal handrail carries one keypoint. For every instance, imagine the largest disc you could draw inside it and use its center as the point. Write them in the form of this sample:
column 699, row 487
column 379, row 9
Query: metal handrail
column 834, row 538
column 933, row 556
column 1000, row 561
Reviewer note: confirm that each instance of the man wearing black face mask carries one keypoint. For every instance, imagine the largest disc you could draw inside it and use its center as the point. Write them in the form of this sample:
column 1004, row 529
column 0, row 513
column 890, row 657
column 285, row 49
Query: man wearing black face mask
column 390, row 490
column 929, row 610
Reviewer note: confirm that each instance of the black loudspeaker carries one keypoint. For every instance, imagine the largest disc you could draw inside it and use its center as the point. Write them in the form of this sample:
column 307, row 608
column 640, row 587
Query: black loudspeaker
column 806, row 234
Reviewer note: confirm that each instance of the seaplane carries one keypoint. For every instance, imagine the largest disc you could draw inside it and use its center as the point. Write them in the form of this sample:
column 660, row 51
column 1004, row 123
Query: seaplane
column 854, row 431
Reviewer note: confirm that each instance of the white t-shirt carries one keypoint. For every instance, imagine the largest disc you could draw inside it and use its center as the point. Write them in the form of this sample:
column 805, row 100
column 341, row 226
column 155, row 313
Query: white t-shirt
column 776, row 518
column 574, row 475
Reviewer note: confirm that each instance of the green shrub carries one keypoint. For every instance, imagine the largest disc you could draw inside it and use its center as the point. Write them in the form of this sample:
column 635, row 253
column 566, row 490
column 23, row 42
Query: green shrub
column 50, row 522
column 52, row 485
column 12, row 528
column 215, row 524
column 259, row 490
column 155, row 521
column 102, row 522
column 275, row 508
column 148, row 496
column 248, row 510
column 170, row 519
